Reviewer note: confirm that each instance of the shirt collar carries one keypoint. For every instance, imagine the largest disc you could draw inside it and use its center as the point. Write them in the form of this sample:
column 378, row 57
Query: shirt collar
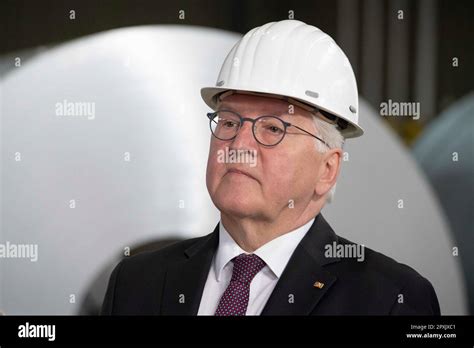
column 276, row 253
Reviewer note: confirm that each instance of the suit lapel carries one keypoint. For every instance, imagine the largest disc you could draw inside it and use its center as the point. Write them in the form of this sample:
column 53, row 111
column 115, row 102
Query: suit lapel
column 295, row 292
column 304, row 281
column 185, row 280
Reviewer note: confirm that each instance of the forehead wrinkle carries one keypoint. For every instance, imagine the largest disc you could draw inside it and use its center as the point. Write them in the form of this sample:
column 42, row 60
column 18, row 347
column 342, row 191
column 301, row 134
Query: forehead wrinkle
column 283, row 115
column 227, row 105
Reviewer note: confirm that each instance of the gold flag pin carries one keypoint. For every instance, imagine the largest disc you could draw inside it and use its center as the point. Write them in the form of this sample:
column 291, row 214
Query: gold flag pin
column 318, row 285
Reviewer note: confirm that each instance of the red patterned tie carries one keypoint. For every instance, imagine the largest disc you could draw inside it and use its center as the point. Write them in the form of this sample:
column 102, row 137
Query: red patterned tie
column 235, row 299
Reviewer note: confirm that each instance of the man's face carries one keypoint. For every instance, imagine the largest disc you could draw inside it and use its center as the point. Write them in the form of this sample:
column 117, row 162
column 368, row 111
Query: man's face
column 277, row 176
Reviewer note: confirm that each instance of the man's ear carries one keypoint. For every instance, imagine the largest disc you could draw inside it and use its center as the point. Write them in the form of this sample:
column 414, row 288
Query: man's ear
column 328, row 171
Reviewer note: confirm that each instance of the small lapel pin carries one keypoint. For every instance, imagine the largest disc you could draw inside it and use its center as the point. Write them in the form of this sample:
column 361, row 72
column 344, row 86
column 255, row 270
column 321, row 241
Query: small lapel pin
column 318, row 285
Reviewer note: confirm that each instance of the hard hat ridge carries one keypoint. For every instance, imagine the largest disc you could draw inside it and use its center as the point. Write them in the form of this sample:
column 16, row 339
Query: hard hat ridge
column 294, row 60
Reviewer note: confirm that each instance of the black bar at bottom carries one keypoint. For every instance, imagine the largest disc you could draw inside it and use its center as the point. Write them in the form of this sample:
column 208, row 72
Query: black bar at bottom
column 445, row 330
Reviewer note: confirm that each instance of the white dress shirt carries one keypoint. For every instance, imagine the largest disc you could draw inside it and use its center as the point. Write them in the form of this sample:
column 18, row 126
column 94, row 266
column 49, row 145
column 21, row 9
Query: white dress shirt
column 276, row 254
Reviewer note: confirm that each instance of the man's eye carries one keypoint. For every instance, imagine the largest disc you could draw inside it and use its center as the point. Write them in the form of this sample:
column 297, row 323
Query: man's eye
column 274, row 129
column 229, row 124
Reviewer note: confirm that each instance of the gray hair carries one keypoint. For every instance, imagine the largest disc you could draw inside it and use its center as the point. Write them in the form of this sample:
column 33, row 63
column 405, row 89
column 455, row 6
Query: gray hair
column 331, row 135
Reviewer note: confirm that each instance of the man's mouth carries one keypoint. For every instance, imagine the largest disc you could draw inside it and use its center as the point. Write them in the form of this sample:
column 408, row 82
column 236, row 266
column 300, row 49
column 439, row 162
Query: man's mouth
column 240, row 172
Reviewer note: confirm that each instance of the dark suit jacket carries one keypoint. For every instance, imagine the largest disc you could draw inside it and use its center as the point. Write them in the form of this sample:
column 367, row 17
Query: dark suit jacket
column 170, row 281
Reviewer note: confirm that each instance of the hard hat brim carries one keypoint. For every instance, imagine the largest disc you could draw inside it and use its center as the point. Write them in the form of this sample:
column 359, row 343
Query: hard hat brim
column 210, row 96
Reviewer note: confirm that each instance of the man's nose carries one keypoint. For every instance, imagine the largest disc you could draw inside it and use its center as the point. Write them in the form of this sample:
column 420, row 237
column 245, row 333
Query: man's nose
column 244, row 138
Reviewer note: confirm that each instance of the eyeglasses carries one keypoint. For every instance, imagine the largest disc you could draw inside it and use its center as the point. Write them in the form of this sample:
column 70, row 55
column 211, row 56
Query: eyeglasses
column 267, row 130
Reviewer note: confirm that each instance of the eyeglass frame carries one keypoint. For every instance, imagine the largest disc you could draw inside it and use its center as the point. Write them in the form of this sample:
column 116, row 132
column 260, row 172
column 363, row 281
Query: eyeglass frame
column 212, row 115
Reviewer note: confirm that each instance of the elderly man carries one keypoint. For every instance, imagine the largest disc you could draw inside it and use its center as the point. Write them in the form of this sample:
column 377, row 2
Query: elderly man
column 284, row 102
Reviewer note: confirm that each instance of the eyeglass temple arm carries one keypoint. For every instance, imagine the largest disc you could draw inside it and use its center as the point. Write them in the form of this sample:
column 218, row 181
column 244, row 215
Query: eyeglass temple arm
column 321, row 140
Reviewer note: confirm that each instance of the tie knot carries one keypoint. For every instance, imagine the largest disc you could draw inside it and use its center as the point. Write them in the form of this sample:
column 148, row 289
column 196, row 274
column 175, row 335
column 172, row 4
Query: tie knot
column 246, row 266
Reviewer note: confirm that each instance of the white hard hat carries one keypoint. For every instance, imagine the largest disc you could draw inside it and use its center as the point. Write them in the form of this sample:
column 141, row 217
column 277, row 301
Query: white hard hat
column 293, row 60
